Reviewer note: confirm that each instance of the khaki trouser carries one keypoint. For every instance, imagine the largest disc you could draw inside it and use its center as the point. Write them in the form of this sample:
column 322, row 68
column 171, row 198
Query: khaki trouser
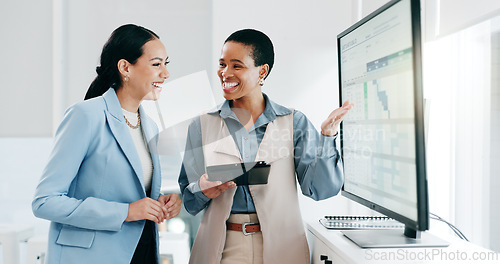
column 241, row 249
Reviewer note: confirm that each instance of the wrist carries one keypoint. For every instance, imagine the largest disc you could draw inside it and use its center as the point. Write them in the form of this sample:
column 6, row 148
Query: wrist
column 328, row 134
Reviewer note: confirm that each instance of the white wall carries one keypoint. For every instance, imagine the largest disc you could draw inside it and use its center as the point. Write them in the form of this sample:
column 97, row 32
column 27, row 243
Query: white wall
column 368, row 6
column 455, row 15
column 25, row 71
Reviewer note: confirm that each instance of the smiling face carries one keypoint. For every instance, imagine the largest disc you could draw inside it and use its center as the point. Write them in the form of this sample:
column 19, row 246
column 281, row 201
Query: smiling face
column 149, row 72
column 237, row 71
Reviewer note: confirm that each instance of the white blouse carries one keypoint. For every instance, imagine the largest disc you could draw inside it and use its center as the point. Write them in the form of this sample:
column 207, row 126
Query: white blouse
column 142, row 148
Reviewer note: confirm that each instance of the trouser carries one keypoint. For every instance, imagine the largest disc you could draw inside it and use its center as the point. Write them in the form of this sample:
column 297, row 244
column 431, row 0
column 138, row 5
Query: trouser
column 145, row 252
column 241, row 249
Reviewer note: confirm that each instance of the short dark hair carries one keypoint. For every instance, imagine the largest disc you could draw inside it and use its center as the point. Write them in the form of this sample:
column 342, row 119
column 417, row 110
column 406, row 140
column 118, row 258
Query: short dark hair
column 126, row 42
column 262, row 47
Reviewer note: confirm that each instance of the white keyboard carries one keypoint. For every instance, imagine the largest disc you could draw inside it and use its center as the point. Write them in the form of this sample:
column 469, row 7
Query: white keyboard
column 360, row 222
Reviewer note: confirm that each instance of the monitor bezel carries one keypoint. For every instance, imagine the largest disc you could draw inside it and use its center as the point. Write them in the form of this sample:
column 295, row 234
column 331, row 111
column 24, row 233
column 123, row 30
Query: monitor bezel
column 422, row 222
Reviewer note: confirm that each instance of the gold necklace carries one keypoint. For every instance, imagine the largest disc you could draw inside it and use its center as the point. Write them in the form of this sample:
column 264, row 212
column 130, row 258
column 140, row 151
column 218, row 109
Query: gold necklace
column 138, row 121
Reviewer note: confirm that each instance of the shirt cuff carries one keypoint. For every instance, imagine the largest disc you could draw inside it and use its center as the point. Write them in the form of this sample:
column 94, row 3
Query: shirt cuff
column 328, row 146
column 195, row 189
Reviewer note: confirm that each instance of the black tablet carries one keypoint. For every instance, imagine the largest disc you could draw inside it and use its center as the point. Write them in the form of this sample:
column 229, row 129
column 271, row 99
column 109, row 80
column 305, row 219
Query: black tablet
column 246, row 173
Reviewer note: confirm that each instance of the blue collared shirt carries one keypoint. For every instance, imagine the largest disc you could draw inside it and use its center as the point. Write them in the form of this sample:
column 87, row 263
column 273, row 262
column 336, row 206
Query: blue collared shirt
column 317, row 162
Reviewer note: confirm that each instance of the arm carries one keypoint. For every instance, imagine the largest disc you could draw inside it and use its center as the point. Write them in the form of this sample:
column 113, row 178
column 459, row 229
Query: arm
column 51, row 200
column 197, row 191
column 193, row 166
column 194, row 200
column 317, row 161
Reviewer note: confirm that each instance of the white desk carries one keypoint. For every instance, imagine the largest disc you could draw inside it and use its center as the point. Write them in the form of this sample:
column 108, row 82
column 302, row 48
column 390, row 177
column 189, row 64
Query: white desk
column 339, row 249
column 10, row 237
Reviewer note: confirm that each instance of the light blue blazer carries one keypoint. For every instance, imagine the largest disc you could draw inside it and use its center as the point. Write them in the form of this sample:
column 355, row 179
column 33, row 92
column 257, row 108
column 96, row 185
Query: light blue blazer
column 93, row 174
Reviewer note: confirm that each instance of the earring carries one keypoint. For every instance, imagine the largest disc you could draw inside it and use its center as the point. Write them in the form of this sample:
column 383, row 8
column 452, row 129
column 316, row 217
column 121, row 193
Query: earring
column 261, row 82
column 126, row 78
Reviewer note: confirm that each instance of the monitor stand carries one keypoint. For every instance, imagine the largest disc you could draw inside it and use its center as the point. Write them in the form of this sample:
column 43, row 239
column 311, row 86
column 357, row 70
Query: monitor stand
column 392, row 238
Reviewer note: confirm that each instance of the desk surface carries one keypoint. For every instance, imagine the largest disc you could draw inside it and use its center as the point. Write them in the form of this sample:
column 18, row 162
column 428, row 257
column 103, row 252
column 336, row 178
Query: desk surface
column 459, row 251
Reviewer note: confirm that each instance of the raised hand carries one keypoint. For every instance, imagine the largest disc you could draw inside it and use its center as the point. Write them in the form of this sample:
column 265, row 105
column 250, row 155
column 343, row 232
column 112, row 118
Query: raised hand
column 330, row 126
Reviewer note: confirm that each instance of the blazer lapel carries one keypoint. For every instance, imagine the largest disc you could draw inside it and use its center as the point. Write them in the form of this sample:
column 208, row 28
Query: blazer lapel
column 120, row 131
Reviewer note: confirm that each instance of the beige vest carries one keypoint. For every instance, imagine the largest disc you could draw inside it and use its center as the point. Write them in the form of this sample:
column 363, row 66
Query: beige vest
column 276, row 203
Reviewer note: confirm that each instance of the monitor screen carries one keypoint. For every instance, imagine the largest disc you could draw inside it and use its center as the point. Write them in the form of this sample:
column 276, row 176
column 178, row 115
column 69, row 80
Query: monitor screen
column 382, row 137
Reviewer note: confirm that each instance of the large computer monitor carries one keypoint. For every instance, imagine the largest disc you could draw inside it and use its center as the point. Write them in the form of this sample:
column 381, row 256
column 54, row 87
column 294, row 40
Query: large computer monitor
column 382, row 137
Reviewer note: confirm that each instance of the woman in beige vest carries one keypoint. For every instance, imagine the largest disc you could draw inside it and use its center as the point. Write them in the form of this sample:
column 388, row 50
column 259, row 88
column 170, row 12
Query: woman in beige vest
column 256, row 223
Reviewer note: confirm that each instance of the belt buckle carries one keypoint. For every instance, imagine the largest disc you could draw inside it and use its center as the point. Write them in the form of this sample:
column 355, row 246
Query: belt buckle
column 244, row 228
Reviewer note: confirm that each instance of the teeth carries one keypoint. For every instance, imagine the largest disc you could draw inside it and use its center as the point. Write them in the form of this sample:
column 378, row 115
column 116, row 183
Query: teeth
column 230, row 84
column 156, row 85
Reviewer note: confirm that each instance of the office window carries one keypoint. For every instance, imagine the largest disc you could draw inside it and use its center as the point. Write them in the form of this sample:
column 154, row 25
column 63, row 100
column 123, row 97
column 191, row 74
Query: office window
column 462, row 91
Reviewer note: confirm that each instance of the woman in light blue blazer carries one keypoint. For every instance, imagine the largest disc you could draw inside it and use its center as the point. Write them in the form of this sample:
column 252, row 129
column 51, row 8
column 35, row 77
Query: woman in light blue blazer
column 101, row 186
